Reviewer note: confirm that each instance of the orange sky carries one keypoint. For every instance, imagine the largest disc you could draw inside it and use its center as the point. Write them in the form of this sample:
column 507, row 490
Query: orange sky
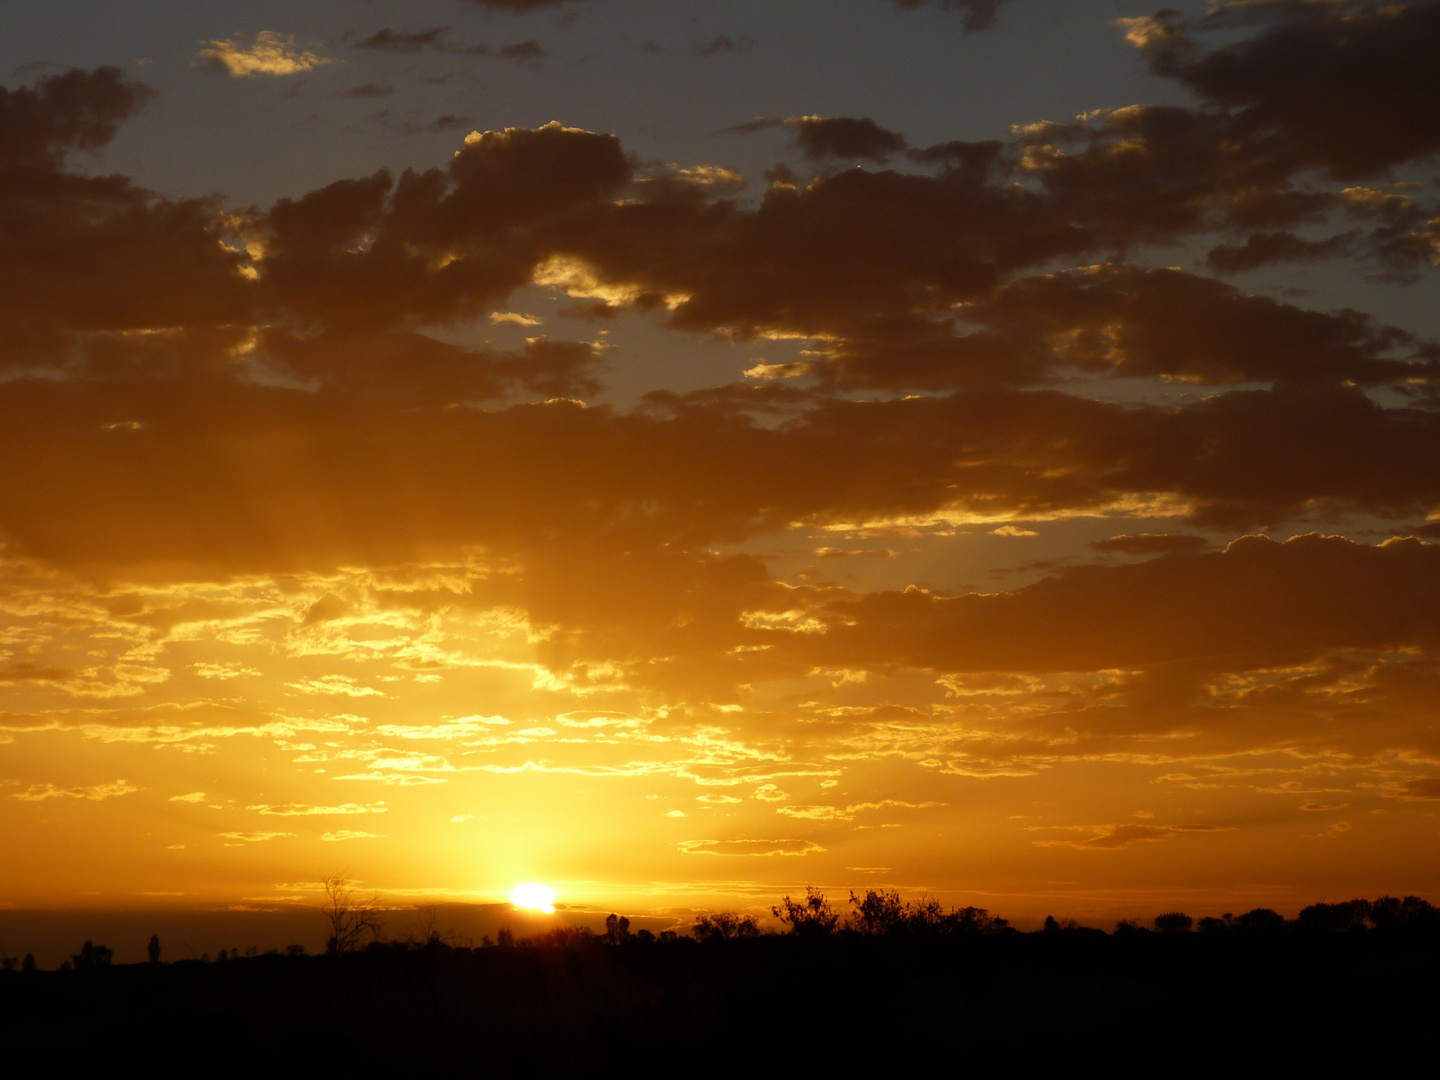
column 1044, row 522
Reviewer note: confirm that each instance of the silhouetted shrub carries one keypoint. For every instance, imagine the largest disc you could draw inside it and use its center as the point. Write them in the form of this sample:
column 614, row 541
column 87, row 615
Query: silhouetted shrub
column 1174, row 922
column 1260, row 919
column 152, row 950
column 1330, row 918
column 811, row 917
column 28, row 964
column 92, row 956
column 724, row 925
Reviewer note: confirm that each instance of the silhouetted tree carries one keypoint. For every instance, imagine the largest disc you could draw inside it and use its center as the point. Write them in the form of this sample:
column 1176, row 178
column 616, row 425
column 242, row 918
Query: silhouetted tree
column 353, row 920
column 617, row 929
column 811, row 917
column 724, row 926
column 1174, row 922
column 294, row 950
column 28, row 964
column 92, row 956
column 1260, row 919
column 882, row 912
column 1128, row 926
column 1351, row 915
column 879, row 911
column 153, row 949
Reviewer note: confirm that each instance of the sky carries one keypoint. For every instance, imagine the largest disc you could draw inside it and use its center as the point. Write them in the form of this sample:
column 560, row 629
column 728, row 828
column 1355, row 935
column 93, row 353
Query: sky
column 680, row 452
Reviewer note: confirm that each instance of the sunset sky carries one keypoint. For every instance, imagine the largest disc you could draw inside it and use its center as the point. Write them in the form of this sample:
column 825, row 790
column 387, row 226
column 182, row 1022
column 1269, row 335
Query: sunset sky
column 681, row 450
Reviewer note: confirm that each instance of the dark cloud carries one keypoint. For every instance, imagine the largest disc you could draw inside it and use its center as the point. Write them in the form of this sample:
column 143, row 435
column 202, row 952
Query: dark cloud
column 519, row 6
column 1422, row 787
column 1150, row 544
column 1265, row 248
column 722, row 43
column 977, row 14
column 1346, row 87
column 1167, row 610
column 368, row 90
column 405, row 41
column 844, row 137
column 76, row 110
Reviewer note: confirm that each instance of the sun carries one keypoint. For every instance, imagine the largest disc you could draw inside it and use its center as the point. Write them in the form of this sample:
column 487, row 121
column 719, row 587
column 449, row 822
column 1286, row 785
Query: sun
column 533, row 896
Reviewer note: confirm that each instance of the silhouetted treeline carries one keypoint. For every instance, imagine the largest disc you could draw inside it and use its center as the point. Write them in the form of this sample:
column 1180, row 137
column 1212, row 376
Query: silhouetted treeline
column 879, row 983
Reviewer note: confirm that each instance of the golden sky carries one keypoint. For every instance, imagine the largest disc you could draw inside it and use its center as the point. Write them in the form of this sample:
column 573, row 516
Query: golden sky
column 1037, row 514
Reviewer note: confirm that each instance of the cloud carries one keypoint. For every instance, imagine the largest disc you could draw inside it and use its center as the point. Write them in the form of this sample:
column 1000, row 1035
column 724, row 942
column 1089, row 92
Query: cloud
column 27, row 671
column 75, row 110
column 1111, row 837
column 722, row 43
column 304, row 810
column 1150, row 544
column 842, row 137
column 255, row 837
column 763, row 848
column 193, row 797
column 1421, row 787
column 94, row 793
column 977, row 14
column 1343, row 84
column 269, row 54
column 350, row 834
column 404, row 41
column 519, row 6
column 368, row 90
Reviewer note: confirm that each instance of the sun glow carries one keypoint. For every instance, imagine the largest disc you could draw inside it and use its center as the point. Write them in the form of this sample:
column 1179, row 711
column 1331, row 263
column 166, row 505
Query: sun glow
column 537, row 897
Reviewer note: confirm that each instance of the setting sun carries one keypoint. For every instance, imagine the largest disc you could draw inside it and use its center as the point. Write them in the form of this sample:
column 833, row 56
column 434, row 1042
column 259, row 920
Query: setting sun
column 536, row 897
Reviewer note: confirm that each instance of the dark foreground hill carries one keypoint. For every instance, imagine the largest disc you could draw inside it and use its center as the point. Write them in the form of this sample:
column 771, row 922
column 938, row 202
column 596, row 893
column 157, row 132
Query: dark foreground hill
column 1131, row 1001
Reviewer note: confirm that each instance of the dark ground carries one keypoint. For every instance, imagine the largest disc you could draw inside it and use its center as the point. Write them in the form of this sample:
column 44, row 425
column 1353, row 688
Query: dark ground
column 1171, row 1003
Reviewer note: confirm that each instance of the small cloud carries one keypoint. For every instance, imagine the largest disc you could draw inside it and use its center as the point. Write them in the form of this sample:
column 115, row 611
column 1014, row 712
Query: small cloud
column 255, row 837
column 741, row 848
column 1150, row 543
column 404, row 41
column 767, row 372
column 95, row 793
column 303, row 810
column 1315, row 807
column 1334, row 832
column 193, row 797
column 460, row 819
column 677, row 814
column 269, row 54
column 770, row 793
column 351, row 834
column 717, row 800
column 25, row 671
column 520, row 50
column 523, row 50
column 1012, row 530
column 1422, row 787
column 448, row 122
column 515, row 317
column 723, row 43
column 367, row 90
column 1110, row 837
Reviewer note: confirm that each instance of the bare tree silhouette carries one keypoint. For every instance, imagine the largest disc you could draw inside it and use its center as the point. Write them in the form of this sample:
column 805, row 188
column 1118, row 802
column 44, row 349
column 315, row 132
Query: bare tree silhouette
column 354, row 920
